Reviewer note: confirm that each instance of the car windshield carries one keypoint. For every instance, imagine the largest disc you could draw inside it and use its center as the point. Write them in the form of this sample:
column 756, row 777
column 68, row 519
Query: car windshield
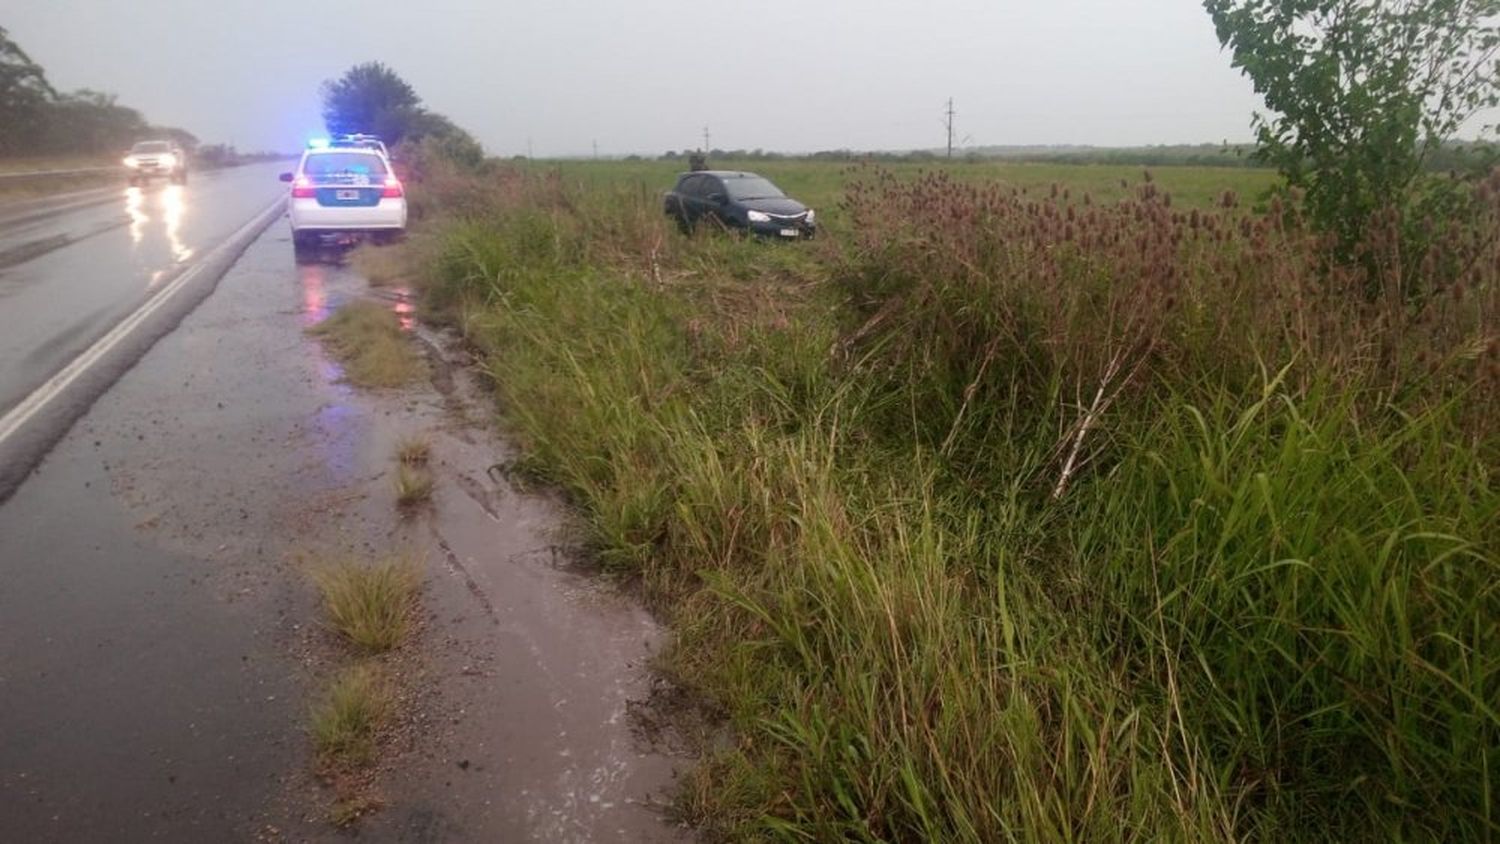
column 350, row 164
column 150, row 146
column 751, row 187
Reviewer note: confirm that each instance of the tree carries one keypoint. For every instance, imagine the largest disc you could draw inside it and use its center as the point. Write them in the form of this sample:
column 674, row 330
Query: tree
column 91, row 121
column 1362, row 91
column 371, row 98
column 24, row 95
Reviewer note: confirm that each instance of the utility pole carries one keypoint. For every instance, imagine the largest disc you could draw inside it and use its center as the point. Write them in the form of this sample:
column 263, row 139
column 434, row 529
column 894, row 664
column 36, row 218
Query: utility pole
column 705, row 140
column 596, row 150
column 528, row 148
column 950, row 127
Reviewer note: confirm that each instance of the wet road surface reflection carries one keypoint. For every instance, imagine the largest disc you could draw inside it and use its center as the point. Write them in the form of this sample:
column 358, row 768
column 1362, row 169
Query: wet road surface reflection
column 72, row 268
column 406, row 312
column 167, row 206
column 314, row 297
column 134, row 200
column 174, row 208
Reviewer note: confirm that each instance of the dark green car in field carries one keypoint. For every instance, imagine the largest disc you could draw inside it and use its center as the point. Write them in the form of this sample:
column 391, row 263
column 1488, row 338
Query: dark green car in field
column 738, row 200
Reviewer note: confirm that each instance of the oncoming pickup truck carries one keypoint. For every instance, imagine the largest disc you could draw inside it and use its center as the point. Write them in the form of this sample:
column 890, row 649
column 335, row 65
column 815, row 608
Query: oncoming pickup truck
column 157, row 158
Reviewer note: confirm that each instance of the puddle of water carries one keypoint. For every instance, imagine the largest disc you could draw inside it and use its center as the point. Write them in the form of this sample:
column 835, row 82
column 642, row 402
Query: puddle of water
column 572, row 660
column 405, row 310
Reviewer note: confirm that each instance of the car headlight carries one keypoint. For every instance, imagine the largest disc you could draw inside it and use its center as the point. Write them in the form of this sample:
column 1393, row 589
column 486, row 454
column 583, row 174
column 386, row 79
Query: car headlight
column 131, row 162
column 759, row 217
column 169, row 160
column 812, row 216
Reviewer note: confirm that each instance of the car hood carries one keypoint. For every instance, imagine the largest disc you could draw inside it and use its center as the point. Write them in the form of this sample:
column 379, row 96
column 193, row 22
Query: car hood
column 781, row 205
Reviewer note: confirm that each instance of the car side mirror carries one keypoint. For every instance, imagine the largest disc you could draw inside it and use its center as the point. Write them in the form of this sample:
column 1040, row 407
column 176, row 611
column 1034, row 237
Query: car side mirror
column 717, row 198
column 286, row 177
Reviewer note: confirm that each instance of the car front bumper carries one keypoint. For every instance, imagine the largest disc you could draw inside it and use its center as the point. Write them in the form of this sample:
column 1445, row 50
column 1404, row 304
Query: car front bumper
column 155, row 170
column 784, row 230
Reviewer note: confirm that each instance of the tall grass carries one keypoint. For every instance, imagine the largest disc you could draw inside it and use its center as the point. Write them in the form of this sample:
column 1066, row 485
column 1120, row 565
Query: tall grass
column 1003, row 516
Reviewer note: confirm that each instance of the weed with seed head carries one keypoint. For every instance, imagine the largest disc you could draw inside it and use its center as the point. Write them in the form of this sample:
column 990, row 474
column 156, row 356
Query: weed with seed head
column 370, row 604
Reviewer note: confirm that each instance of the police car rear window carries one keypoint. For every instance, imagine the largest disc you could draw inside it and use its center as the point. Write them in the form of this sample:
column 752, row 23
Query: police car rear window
column 343, row 164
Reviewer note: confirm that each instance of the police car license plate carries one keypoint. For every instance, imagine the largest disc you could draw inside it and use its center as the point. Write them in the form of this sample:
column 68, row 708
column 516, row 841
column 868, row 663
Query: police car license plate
column 788, row 232
column 346, row 194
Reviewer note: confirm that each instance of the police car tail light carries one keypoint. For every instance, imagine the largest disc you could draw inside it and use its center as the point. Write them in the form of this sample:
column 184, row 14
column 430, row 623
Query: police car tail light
column 302, row 188
column 393, row 189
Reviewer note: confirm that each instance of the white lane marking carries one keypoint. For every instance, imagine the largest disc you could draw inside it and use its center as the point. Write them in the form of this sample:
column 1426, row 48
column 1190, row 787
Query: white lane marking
column 54, row 386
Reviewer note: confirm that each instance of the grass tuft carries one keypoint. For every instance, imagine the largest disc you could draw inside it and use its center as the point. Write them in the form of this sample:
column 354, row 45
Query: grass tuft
column 346, row 721
column 367, row 339
column 348, row 810
column 413, row 451
column 414, row 485
column 370, row 604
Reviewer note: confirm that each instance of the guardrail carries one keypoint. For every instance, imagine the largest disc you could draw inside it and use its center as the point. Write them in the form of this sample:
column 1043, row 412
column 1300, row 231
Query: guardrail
column 43, row 175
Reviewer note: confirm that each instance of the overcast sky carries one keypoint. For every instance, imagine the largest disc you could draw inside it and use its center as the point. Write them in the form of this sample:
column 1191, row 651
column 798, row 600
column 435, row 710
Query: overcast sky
column 646, row 75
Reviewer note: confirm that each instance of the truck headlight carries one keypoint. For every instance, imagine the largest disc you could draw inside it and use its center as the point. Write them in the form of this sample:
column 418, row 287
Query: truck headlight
column 812, row 216
column 169, row 160
column 759, row 217
column 131, row 162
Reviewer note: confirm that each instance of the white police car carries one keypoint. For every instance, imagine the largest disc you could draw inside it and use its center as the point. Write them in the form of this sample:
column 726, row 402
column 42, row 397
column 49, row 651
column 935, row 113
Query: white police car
column 344, row 190
column 361, row 141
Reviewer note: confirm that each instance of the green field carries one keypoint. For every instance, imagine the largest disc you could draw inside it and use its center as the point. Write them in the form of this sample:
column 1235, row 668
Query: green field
column 986, row 517
column 820, row 184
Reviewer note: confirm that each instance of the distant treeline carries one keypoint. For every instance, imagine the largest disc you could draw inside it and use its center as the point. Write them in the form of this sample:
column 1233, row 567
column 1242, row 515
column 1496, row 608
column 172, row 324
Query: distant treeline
column 1464, row 155
column 36, row 119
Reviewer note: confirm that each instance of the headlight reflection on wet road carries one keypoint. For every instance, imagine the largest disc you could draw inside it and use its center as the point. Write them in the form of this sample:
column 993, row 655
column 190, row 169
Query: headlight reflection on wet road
column 171, row 202
column 174, row 207
column 134, row 199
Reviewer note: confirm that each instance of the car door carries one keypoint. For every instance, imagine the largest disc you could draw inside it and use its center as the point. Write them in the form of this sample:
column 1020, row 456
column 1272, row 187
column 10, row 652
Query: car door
column 693, row 193
column 711, row 195
column 684, row 193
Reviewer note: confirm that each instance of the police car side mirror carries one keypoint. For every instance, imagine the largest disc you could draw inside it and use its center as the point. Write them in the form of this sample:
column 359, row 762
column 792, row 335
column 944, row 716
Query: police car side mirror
column 286, row 177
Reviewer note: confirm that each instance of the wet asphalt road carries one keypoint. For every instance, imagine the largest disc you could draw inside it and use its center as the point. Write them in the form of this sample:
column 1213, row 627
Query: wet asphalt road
column 145, row 692
column 66, row 278
column 158, row 640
